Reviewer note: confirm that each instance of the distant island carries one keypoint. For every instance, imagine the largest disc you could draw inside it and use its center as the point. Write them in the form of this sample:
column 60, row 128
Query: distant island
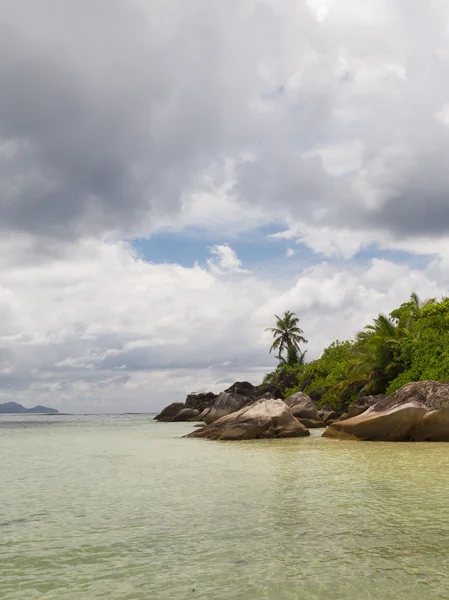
column 14, row 408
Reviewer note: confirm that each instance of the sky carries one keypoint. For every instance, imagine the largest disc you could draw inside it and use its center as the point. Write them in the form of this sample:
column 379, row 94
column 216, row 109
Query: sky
column 173, row 173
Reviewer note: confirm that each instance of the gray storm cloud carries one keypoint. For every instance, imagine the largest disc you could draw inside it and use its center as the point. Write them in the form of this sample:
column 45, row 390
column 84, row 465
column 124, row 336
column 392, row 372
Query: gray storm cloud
column 111, row 111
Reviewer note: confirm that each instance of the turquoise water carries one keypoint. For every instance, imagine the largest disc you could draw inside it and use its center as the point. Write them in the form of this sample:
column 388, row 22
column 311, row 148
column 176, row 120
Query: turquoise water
column 121, row 507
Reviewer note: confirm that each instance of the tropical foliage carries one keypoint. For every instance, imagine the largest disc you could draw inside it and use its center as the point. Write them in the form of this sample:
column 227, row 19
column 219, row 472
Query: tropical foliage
column 287, row 336
column 410, row 344
column 287, row 339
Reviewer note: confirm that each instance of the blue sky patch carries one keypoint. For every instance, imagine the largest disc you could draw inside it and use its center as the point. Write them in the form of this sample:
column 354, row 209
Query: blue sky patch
column 257, row 251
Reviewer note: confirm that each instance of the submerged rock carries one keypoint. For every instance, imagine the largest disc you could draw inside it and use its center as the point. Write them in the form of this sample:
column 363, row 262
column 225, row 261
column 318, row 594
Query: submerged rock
column 264, row 418
column 224, row 404
column 416, row 412
column 170, row 411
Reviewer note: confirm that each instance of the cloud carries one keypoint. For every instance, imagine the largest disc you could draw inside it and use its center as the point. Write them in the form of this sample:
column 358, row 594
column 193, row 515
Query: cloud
column 106, row 330
column 325, row 121
column 339, row 159
column 290, row 252
column 117, row 135
column 112, row 134
column 225, row 260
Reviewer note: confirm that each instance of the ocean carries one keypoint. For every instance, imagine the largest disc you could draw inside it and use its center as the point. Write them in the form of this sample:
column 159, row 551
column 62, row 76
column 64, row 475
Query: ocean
column 124, row 508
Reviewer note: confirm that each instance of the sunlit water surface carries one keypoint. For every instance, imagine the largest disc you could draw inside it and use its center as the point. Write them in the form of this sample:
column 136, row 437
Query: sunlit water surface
column 121, row 507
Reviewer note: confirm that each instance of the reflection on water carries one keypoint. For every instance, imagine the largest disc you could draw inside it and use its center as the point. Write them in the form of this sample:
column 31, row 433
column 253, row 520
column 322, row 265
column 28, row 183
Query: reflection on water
column 124, row 508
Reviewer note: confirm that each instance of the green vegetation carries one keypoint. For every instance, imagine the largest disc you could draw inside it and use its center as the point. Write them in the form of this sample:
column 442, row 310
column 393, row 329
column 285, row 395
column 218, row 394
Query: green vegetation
column 411, row 344
column 287, row 339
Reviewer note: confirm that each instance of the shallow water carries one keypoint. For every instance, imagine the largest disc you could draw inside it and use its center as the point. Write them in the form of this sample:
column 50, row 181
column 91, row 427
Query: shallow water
column 121, row 507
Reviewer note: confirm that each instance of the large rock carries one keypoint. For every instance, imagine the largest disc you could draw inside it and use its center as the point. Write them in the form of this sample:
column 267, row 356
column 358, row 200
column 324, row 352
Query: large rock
column 302, row 407
column 432, row 394
column 362, row 404
column 187, row 414
column 170, row 411
column 391, row 425
column 416, row 412
column 264, row 418
column 269, row 390
column 200, row 401
column 224, row 404
column 244, row 388
column 327, row 415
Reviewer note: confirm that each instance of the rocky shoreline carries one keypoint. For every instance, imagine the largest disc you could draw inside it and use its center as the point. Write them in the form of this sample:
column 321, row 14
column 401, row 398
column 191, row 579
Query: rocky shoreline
column 416, row 412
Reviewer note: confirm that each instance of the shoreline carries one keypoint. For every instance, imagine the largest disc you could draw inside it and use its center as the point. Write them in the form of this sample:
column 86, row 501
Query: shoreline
column 416, row 412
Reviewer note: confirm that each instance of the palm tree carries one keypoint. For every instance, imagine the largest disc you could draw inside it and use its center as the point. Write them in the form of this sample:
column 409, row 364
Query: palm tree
column 418, row 304
column 408, row 313
column 374, row 355
column 287, row 336
column 294, row 357
column 407, row 318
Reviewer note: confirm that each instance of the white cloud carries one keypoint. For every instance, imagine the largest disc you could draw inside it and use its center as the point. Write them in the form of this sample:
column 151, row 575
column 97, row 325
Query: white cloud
column 320, row 8
column 103, row 330
column 290, row 252
column 326, row 117
column 343, row 243
column 225, row 260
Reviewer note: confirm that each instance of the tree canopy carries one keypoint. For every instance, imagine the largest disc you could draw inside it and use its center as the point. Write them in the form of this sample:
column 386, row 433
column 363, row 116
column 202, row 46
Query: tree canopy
column 410, row 344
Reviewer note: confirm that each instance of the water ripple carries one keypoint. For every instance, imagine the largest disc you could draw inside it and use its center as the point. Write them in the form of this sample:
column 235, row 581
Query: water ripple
column 125, row 509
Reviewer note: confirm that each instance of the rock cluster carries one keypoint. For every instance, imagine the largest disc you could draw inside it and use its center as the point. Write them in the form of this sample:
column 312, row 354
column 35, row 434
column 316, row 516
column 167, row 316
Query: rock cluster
column 246, row 412
column 209, row 407
column 416, row 412
column 205, row 407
